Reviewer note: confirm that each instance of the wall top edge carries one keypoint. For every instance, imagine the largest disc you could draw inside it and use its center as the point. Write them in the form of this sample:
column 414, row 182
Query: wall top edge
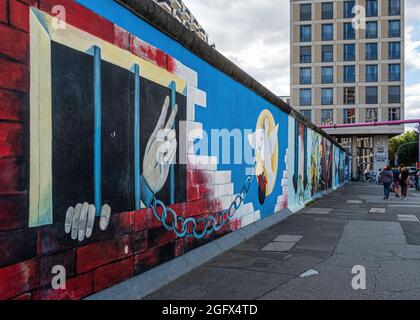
column 152, row 13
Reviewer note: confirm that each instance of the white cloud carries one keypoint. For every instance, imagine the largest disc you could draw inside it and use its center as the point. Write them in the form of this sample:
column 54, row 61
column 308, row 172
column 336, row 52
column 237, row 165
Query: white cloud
column 255, row 36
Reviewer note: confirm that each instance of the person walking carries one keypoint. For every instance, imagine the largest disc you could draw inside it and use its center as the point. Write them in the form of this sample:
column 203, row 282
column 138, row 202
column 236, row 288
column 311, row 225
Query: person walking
column 386, row 178
column 395, row 187
column 404, row 183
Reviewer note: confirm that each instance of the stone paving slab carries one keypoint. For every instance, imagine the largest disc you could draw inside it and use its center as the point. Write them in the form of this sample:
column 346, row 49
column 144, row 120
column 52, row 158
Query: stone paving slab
column 319, row 210
column 407, row 218
column 288, row 238
column 279, row 246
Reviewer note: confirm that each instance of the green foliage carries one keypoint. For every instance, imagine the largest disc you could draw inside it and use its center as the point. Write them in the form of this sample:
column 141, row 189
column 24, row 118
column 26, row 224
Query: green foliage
column 407, row 143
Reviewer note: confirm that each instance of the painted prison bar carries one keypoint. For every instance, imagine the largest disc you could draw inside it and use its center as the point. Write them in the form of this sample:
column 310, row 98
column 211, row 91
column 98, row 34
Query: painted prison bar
column 106, row 124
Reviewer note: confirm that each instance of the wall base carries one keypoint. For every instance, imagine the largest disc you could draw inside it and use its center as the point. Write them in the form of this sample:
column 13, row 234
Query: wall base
column 144, row 284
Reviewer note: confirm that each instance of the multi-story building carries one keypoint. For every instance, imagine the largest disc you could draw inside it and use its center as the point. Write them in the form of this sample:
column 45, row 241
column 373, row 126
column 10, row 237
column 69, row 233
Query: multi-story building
column 180, row 12
column 345, row 72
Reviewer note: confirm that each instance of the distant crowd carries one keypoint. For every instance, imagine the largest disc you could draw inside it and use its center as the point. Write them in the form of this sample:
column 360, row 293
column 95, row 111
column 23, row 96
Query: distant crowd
column 398, row 181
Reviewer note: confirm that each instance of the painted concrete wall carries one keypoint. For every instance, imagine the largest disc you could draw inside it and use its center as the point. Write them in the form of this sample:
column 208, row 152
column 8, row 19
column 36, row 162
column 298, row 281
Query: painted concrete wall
column 121, row 150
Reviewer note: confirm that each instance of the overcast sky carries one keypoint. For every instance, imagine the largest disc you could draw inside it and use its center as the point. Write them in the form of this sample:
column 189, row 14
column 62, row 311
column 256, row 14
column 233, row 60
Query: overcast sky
column 255, row 35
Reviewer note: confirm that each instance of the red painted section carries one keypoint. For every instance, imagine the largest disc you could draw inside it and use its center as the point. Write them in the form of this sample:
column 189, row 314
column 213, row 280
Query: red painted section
column 76, row 289
column 171, row 64
column 95, row 255
column 67, row 259
column 13, row 75
column 19, row 15
column 15, row 43
column 4, row 12
column 24, row 297
column 10, row 176
column 144, row 50
column 12, row 212
column 11, row 105
column 112, row 274
column 121, row 38
column 17, row 279
column 10, row 139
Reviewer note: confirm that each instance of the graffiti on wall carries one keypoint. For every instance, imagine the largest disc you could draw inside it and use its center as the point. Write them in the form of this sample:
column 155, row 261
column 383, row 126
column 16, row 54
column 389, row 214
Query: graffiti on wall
column 109, row 184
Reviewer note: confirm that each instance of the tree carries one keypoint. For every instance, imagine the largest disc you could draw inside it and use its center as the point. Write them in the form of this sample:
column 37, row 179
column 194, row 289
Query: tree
column 408, row 146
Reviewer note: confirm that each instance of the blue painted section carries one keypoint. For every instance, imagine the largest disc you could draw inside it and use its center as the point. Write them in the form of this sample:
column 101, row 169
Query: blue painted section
column 97, row 130
column 137, row 136
column 230, row 105
column 172, row 86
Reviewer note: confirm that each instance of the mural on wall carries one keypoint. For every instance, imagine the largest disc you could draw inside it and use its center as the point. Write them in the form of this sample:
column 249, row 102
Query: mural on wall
column 265, row 143
column 313, row 164
column 107, row 182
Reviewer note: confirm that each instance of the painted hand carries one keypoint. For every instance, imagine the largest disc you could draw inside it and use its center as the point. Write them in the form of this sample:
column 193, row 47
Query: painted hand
column 80, row 220
column 160, row 150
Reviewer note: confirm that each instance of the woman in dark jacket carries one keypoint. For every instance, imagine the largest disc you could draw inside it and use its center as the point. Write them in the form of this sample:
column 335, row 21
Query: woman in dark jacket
column 404, row 175
column 386, row 178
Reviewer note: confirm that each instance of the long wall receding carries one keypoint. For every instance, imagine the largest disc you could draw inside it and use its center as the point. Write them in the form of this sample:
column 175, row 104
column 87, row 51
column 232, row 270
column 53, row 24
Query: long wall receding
column 126, row 141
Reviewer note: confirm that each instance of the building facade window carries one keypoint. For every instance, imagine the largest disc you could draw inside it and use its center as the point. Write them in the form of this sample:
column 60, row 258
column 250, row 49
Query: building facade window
column 327, row 53
column 349, row 51
column 349, row 95
column 327, row 32
column 305, row 33
column 394, row 7
column 327, row 74
column 327, row 116
column 371, row 30
column 394, row 50
column 348, row 9
column 305, row 54
column 305, row 97
column 349, row 33
column 305, row 75
column 349, row 115
column 307, row 114
column 305, row 12
column 394, row 114
column 371, row 73
column 327, row 96
column 394, row 29
column 394, row 94
column 327, row 11
column 371, row 8
column 349, row 74
column 371, row 95
column 371, row 115
column 394, row 72
column 371, row 51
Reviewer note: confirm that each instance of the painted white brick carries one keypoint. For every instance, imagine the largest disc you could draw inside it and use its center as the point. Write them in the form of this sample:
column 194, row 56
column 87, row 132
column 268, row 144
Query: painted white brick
column 244, row 210
column 219, row 177
column 189, row 75
column 226, row 201
column 220, row 190
column 197, row 96
column 206, row 163
column 250, row 218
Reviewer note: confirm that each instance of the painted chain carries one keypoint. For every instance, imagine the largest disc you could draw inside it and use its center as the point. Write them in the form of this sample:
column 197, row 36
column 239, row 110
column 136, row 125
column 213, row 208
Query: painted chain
column 187, row 227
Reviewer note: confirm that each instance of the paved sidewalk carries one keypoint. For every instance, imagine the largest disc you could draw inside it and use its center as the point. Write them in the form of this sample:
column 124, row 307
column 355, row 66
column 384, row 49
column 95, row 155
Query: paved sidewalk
column 351, row 226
